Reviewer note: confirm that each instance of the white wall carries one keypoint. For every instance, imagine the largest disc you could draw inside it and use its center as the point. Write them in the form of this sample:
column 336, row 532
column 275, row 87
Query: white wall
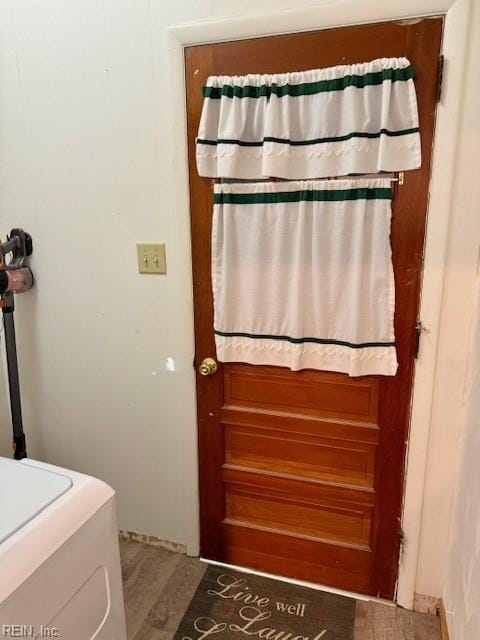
column 82, row 170
column 462, row 580
column 82, row 133
column 84, row 125
column 454, row 352
column 462, row 590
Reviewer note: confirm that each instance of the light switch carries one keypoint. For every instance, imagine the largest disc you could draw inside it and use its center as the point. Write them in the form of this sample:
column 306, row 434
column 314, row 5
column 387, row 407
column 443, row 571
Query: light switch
column 151, row 257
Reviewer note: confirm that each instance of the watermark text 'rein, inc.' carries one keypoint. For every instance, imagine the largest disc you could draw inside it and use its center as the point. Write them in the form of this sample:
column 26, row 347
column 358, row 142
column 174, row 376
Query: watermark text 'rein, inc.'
column 28, row 631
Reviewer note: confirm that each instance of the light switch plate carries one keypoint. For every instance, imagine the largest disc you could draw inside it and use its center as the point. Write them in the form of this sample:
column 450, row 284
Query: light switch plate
column 151, row 257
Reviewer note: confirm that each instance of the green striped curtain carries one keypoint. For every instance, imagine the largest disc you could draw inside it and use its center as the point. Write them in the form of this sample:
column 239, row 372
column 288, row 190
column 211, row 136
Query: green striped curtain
column 302, row 275
column 348, row 119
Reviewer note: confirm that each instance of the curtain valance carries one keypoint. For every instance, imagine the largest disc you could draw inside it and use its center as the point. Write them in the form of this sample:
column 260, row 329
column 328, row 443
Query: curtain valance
column 302, row 275
column 359, row 118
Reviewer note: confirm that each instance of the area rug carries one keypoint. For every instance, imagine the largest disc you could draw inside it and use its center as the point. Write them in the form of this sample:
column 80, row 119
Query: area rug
column 232, row 605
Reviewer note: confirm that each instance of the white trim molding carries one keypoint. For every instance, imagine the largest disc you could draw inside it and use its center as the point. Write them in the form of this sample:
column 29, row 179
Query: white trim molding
column 447, row 165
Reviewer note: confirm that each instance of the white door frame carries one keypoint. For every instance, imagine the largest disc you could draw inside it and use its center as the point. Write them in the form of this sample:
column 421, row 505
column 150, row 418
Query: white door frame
column 446, row 167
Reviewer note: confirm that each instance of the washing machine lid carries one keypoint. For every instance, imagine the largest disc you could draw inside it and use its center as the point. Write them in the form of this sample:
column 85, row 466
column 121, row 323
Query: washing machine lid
column 24, row 492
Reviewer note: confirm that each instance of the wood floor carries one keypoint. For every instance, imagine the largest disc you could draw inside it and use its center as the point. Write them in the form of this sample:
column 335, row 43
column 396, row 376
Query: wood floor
column 158, row 585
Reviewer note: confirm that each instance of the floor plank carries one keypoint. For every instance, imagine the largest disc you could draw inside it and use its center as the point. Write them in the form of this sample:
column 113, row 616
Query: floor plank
column 169, row 607
column 159, row 584
column 376, row 621
column 146, row 574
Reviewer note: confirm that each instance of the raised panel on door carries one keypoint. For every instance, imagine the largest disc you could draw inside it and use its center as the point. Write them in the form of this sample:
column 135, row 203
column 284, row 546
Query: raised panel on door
column 302, row 392
column 316, row 457
column 318, row 519
column 301, row 473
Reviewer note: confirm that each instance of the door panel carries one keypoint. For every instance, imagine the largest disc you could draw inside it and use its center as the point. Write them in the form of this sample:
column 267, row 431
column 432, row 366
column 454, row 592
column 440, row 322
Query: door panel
column 301, row 473
column 301, row 392
column 319, row 519
column 314, row 457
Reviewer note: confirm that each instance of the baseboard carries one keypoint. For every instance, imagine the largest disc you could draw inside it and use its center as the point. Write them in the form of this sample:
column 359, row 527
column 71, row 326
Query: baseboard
column 442, row 614
column 153, row 541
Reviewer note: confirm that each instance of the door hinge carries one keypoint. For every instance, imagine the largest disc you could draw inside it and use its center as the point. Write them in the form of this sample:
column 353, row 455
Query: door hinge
column 402, row 538
column 441, row 64
column 418, row 332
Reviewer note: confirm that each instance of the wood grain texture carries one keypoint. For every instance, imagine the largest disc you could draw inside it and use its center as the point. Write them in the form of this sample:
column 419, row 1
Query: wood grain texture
column 158, row 585
column 330, row 395
column 375, row 621
column 320, row 519
column 442, row 614
column 154, row 606
column 151, row 566
column 255, row 424
column 306, row 456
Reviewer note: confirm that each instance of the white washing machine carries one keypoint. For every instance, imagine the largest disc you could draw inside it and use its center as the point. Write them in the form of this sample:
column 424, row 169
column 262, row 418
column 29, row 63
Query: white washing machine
column 59, row 557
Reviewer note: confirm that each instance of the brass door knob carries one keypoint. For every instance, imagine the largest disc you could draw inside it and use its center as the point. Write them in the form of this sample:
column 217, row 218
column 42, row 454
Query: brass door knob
column 207, row 367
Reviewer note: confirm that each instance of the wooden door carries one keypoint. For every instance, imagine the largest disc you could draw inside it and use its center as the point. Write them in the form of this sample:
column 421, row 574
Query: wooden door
column 301, row 473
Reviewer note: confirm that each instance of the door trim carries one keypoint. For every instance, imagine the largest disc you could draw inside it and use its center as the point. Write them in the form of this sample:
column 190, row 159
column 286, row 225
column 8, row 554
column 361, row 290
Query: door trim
column 448, row 165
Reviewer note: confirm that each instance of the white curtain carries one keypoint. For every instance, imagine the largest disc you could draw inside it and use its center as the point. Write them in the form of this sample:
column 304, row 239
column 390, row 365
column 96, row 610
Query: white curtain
column 302, row 275
column 359, row 118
